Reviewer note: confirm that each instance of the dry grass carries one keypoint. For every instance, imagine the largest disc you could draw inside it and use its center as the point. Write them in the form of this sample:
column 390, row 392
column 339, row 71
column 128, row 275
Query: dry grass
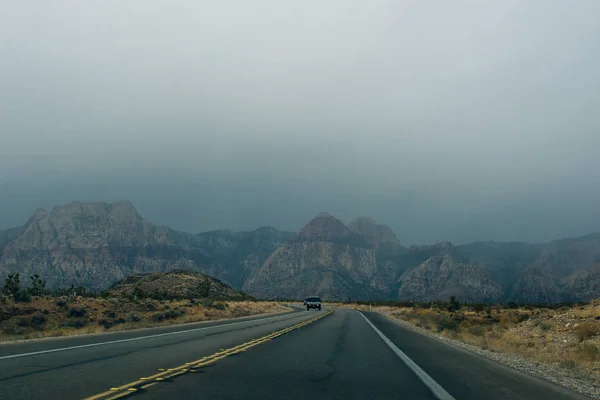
column 52, row 317
column 586, row 330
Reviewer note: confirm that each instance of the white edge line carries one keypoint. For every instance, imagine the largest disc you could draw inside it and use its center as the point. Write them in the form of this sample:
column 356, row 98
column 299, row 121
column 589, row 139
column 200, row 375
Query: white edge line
column 435, row 388
column 138, row 338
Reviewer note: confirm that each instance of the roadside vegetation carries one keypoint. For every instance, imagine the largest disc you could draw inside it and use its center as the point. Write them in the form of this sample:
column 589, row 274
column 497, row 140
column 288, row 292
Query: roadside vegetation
column 34, row 312
column 565, row 335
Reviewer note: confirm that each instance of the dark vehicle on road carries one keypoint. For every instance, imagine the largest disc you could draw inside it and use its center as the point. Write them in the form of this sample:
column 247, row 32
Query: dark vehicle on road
column 313, row 302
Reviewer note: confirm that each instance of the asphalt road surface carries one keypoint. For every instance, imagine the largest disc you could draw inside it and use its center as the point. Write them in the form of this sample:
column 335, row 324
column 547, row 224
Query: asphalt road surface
column 302, row 355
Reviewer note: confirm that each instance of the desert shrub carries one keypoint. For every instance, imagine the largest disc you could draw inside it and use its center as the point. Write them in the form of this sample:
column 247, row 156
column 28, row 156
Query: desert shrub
column 175, row 313
column 106, row 324
column 23, row 296
column 567, row 364
column 588, row 352
column 219, row 306
column 508, row 319
column 453, row 304
column 134, row 318
column 207, row 303
column 544, row 326
column 447, row 324
column 38, row 321
column 523, row 317
column 75, row 323
column 13, row 330
column 158, row 317
column 586, row 330
column 111, row 314
column 477, row 330
column 77, row 312
column 425, row 321
column 147, row 306
column 240, row 312
column 62, row 303
column 479, row 307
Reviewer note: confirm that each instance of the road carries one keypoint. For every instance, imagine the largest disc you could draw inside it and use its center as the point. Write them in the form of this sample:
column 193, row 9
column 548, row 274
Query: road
column 342, row 354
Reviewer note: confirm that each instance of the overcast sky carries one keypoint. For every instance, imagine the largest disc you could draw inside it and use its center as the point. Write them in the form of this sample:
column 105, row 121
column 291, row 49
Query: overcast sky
column 447, row 120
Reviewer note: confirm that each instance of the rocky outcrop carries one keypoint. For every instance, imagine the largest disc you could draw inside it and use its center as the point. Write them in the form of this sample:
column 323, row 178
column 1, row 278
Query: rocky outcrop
column 373, row 233
column 331, row 260
column 445, row 275
column 301, row 269
column 583, row 285
column 238, row 255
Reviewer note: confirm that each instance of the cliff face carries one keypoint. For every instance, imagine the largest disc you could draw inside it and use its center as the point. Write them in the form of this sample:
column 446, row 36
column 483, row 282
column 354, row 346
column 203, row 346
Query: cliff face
column 97, row 244
column 301, row 269
column 326, row 259
column 442, row 276
column 236, row 256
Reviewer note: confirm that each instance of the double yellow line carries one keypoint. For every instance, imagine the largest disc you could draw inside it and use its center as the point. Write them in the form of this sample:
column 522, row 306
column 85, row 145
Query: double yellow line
column 192, row 366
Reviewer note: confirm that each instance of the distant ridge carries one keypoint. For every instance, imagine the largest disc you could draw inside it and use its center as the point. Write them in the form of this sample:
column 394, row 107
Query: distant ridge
column 96, row 244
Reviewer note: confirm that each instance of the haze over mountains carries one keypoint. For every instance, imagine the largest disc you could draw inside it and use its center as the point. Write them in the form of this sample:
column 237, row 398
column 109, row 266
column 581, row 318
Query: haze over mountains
column 98, row 244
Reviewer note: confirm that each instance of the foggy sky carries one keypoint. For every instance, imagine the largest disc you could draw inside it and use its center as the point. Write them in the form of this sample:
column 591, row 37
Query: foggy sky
column 460, row 121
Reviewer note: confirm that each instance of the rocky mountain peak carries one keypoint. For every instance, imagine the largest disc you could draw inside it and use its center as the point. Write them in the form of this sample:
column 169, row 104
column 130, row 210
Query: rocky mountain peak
column 324, row 227
column 84, row 225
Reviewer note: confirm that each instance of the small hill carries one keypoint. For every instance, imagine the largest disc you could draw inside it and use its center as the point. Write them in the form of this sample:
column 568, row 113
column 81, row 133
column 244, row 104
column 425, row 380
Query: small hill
column 174, row 284
column 324, row 227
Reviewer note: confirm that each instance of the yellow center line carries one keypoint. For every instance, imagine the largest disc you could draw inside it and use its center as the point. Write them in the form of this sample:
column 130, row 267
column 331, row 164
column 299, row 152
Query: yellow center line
column 166, row 373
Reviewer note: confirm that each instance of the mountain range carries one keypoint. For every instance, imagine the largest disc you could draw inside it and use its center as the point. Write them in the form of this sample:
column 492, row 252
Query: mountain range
column 97, row 244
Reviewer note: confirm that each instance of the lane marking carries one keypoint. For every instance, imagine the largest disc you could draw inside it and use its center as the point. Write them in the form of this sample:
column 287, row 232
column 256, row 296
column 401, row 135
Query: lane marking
column 142, row 383
column 435, row 388
column 141, row 337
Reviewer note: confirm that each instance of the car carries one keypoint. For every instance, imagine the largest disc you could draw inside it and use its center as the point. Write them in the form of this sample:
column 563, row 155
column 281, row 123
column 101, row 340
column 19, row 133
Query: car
column 313, row 302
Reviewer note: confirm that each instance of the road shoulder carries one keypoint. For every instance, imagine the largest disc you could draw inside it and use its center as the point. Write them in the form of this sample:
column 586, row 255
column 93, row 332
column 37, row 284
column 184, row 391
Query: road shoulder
column 580, row 382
